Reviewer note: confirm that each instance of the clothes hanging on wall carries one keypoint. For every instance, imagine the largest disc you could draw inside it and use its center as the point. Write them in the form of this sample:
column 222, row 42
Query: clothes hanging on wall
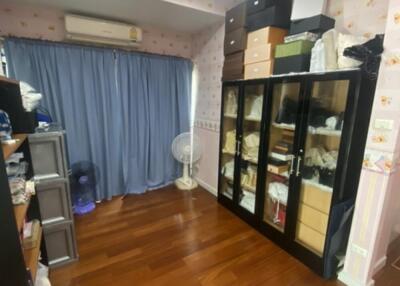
column 121, row 110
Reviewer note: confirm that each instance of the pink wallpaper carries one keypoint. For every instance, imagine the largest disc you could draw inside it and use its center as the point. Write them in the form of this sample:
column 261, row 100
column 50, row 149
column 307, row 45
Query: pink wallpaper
column 48, row 24
column 377, row 207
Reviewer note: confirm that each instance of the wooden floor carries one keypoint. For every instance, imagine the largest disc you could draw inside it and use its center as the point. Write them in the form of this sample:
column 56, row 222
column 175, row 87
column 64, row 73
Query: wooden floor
column 171, row 237
column 390, row 276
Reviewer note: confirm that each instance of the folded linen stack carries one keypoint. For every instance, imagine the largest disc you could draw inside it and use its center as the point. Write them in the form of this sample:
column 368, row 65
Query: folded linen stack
column 30, row 97
column 251, row 144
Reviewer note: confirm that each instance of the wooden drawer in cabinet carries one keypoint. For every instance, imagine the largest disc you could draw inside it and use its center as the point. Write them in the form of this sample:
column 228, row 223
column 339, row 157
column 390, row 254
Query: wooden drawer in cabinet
column 258, row 54
column 264, row 36
column 310, row 238
column 316, row 198
column 235, row 41
column 54, row 201
column 60, row 244
column 235, row 18
column 313, row 218
column 258, row 70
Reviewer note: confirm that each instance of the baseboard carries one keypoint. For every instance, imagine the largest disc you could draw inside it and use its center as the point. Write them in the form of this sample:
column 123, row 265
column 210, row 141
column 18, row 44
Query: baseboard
column 349, row 281
column 380, row 264
column 207, row 187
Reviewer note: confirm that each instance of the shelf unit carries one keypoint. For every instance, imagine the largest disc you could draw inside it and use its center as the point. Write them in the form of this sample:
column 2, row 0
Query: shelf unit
column 18, row 266
column 297, row 142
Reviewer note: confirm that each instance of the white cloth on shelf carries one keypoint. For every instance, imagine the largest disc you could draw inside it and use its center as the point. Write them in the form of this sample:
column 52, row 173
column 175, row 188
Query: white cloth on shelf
column 228, row 169
column 256, row 103
column 278, row 192
column 251, row 143
column 230, row 142
column 30, row 97
column 231, row 103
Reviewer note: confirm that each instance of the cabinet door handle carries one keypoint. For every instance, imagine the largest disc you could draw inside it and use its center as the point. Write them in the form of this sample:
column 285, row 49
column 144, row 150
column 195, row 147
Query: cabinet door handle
column 256, row 3
column 232, row 42
column 231, row 20
column 292, row 164
column 298, row 166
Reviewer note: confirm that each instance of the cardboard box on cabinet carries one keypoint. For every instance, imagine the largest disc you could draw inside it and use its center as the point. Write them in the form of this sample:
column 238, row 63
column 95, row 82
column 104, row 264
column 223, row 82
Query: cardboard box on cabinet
column 235, row 18
column 264, row 36
column 316, row 24
column 233, row 66
column 275, row 16
column 294, row 48
column 307, row 8
column 299, row 63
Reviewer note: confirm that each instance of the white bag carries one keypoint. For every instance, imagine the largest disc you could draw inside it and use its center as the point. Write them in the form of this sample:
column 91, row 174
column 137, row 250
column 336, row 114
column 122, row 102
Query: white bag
column 317, row 63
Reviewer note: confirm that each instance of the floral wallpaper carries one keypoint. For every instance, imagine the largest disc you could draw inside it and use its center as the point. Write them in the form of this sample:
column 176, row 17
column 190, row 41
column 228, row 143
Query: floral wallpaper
column 48, row 24
column 208, row 57
column 377, row 205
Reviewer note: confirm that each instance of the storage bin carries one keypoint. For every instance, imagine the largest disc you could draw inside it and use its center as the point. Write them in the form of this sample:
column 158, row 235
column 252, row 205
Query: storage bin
column 276, row 16
column 235, row 41
column 293, row 49
column 254, row 6
column 258, row 70
column 258, row 54
column 233, row 66
column 235, row 18
column 300, row 63
column 307, row 8
column 264, row 36
column 318, row 24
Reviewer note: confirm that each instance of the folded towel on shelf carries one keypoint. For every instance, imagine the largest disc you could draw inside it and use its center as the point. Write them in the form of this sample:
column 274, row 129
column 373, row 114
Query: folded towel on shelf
column 230, row 142
column 251, row 143
column 30, row 97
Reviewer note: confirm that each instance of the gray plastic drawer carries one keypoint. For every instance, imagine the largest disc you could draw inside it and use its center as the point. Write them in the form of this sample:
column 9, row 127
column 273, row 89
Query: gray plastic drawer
column 48, row 156
column 60, row 244
column 54, row 201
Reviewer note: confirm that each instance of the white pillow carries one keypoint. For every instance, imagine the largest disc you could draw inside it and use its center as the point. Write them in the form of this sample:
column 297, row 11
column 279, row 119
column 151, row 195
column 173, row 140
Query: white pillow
column 345, row 41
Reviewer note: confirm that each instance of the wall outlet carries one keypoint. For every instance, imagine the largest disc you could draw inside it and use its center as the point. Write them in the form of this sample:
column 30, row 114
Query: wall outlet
column 385, row 124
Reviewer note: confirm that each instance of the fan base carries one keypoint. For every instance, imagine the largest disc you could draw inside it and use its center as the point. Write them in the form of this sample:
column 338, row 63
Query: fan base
column 186, row 185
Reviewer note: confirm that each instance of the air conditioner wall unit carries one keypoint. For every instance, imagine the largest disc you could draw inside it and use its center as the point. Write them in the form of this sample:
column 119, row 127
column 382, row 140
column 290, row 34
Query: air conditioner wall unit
column 86, row 29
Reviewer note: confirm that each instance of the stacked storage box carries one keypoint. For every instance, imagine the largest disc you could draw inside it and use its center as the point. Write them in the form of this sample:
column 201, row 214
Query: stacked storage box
column 235, row 42
column 307, row 24
column 264, row 13
column 266, row 21
column 260, row 50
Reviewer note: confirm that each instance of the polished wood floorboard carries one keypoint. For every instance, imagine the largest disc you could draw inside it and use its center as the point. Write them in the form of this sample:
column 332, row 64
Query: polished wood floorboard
column 388, row 275
column 172, row 237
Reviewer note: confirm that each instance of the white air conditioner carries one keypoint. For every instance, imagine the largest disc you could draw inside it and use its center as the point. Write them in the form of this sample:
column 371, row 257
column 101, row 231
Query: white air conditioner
column 85, row 29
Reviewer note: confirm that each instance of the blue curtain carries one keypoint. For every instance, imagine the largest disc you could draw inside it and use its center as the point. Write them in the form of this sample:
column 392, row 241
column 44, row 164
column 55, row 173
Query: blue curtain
column 121, row 110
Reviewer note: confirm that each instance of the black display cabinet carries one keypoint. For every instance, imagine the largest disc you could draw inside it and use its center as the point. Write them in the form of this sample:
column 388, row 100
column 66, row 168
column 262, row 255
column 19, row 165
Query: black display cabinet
column 291, row 150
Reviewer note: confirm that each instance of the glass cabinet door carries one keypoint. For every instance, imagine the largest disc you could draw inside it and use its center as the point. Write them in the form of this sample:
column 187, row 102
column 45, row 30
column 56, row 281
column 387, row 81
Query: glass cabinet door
column 250, row 142
column 229, row 143
column 285, row 101
column 324, row 129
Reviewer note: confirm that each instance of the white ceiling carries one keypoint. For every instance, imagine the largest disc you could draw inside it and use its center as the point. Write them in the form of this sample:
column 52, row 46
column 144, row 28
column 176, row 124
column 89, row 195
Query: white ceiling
column 156, row 13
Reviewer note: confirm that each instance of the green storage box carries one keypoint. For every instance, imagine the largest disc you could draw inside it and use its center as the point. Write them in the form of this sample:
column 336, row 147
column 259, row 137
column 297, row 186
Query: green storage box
column 301, row 47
